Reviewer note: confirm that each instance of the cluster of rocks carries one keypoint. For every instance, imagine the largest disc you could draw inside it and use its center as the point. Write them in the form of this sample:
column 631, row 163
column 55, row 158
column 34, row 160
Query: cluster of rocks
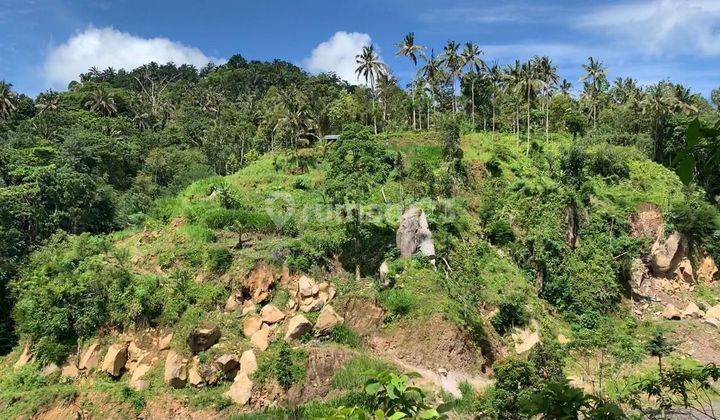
column 693, row 311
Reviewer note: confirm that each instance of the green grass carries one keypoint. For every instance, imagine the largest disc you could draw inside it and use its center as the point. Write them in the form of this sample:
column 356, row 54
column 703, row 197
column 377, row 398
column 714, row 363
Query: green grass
column 358, row 370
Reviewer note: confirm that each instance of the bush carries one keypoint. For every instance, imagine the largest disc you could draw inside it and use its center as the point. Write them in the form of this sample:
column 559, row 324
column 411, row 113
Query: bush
column 511, row 313
column 500, row 232
column 342, row 334
column 696, row 218
column 397, row 301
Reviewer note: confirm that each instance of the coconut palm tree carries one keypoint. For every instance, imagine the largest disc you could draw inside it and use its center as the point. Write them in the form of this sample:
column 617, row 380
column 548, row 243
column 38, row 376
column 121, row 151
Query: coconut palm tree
column 495, row 74
column 408, row 48
column 296, row 119
column 512, row 76
column 452, row 61
column 529, row 84
column 471, row 59
column 430, row 73
column 595, row 83
column 47, row 101
column 547, row 73
column 101, row 101
column 565, row 87
column 7, row 100
column 370, row 67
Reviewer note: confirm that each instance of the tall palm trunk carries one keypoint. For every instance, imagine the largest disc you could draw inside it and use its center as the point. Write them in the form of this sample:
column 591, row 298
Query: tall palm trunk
column 472, row 89
column 547, row 119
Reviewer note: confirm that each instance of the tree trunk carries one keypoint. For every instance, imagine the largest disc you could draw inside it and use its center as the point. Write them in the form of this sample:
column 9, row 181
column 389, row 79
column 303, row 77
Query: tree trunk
column 472, row 89
column 547, row 119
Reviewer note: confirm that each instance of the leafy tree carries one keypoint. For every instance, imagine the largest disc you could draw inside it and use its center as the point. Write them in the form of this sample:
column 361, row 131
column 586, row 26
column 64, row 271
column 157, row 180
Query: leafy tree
column 370, row 68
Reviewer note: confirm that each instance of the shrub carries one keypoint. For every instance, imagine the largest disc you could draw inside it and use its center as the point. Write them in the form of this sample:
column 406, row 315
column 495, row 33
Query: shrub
column 285, row 364
column 696, row 218
column 397, row 301
column 511, row 313
column 342, row 334
column 500, row 232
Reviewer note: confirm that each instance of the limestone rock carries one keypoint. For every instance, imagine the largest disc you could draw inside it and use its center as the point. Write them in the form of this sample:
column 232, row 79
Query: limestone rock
column 50, row 369
column 194, row 378
column 297, row 326
column 270, row 314
column 248, row 363
column 692, row 311
column 175, row 374
column 307, row 287
column 684, row 271
column 227, row 363
column 69, row 370
column 707, row 269
column 251, row 325
column 713, row 312
column 115, row 359
column 90, row 357
column 259, row 283
column 638, row 274
column 384, row 271
column 201, row 339
column 136, row 380
column 327, row 319
column 241, row 389
column 666, row 255
column 24, row 358
column 413, row 234
column 647, row 221
column 233, row 303
column 261, row 339
column 314, row 304
column 562, row 339
column 671, row 312
column 248, row 308
column 165, row 341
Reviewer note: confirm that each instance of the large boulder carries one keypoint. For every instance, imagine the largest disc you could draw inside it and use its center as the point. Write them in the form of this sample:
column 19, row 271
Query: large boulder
column 327, row 320
column 638, row 274
column 413, row 234
column 201, row 339
column 671, row 312
column 248, row 363
column 164, row 342
column 713, row 312
column 259, row 283
column 684, row 271
column 666, row 255
column 90, row 357
column 175, row 374
column 241, row 389
column 307, row 287
column 115, row 359
column 271, row 314
column 137, row 381
column 692, row 311
column 261, row 339
column 297, row 326
column 227, row 364
column 251, row 325
column 384, row 271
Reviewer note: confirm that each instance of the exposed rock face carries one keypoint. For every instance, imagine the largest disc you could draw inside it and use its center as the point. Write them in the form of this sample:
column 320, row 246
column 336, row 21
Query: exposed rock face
column 241, row 389
column 572, row 222
column 665, row 256
column 707, row 269
column 201, row 339
column 227, row 363
column 115, row 359
column 671, row 312
column 413, row 234
column 233, row 303
column 69, row 369
column 647, row 221
column 24, row 358
column 271, row 315
column 194, row 378
column 248, row 363
column 525, row 339
column 363, row 316
column 322, row 365
column 50, row 369
column 259, row 283
column 639, row 273
column 175, row 374
column 327, row 320
column 251, row 325
column 307, row 287
column 90, row 357
column 297, row 326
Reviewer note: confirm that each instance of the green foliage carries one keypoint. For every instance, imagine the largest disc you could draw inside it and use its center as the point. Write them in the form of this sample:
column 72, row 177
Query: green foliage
column 511, row 313
column 548, row 359
column 559, row 400
column 218, row 259
column 284, row 364
column 342, row 334
column 397, row 301
column 393, row 396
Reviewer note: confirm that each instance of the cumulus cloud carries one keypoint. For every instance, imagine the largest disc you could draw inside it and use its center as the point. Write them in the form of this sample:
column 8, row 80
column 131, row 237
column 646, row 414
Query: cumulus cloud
column 672, row 27
column 109, row 47
column 337, row 55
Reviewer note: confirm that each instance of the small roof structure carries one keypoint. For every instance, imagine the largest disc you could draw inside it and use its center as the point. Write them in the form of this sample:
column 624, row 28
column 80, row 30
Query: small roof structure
column 331, row 137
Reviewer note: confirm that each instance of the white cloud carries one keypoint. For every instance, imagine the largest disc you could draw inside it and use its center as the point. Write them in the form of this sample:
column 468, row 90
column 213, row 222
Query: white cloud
column 109, row 47
column 661, row 27
column 337, row 55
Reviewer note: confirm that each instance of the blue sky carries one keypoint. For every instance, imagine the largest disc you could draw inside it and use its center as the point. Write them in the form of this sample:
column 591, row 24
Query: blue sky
column 45, row 43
